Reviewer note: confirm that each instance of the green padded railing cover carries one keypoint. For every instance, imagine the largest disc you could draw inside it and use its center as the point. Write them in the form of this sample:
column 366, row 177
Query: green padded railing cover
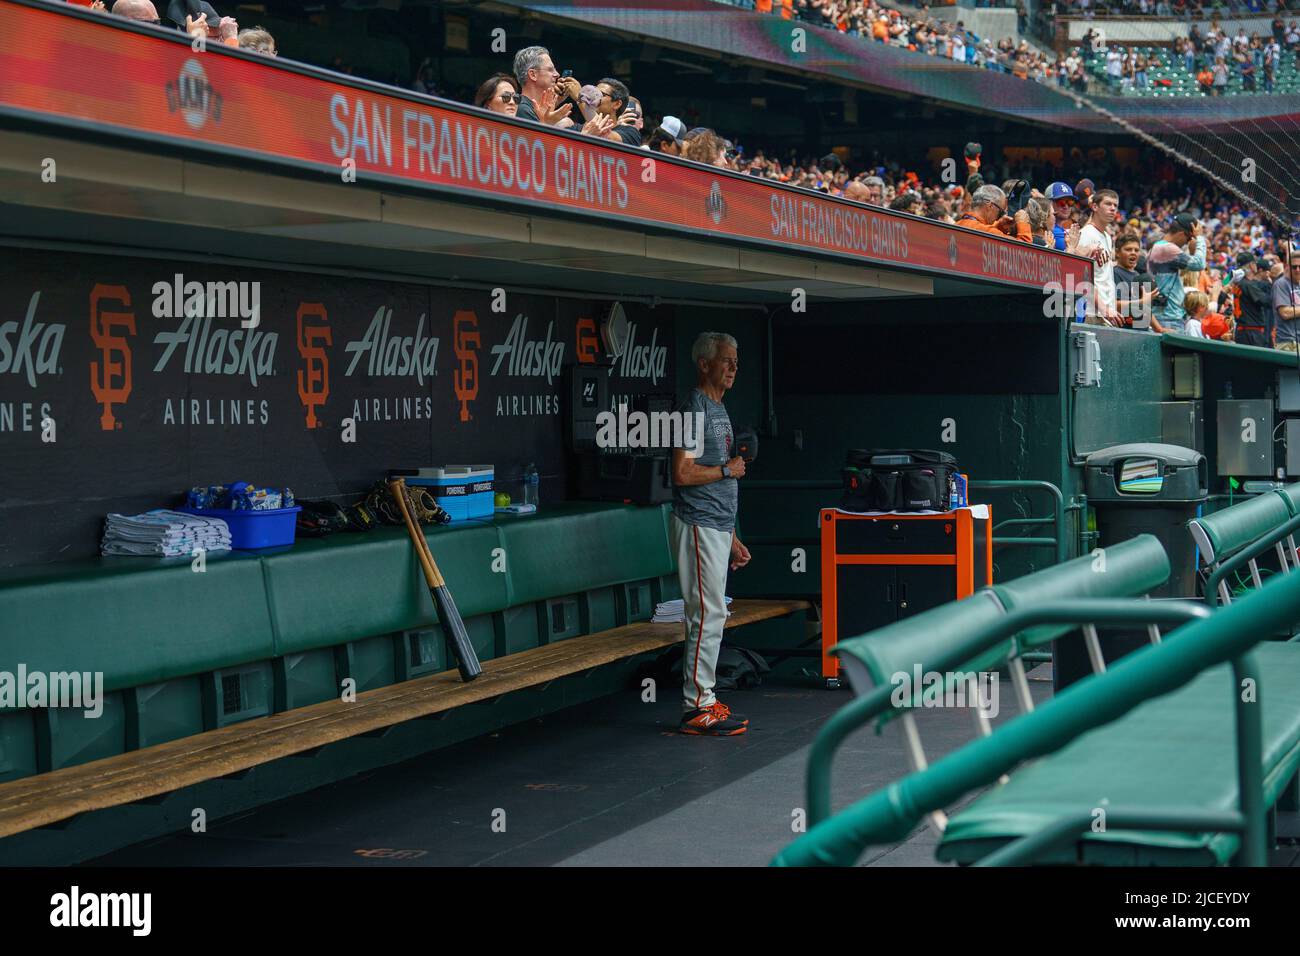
column 1128, row 569
column 895, row 648
column 1290, row 495
column 1232, row 529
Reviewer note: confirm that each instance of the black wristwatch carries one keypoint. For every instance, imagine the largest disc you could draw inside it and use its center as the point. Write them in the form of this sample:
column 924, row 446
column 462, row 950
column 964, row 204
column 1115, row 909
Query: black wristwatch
column 726, row 472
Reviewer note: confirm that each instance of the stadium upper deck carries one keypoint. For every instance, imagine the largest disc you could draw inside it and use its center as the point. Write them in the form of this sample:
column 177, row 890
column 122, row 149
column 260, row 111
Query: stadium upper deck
column 226, row 108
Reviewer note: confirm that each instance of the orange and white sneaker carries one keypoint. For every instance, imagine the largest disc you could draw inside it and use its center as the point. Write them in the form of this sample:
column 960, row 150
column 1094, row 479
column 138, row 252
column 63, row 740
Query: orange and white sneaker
column 716, row 720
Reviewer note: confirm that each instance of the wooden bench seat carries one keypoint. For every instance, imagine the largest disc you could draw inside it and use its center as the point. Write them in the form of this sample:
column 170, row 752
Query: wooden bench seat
column 48, row 798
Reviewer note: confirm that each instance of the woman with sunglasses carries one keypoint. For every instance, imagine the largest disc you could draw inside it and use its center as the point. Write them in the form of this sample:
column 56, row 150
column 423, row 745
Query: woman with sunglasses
column 499, row 93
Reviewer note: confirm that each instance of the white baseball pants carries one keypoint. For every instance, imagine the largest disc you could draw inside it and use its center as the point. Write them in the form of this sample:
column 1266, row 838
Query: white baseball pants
column 703, row 558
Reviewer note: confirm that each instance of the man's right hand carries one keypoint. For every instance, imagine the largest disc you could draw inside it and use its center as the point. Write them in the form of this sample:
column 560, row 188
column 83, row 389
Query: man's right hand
column 737, row 467
column 570, row 87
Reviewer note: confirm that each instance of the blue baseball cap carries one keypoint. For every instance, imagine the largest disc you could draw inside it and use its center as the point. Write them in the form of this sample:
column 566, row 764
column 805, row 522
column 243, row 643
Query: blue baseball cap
column 1059, row 191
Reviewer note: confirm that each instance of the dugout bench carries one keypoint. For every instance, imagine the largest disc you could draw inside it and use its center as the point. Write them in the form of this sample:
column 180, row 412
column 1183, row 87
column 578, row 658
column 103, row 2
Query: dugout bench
column 210, row 675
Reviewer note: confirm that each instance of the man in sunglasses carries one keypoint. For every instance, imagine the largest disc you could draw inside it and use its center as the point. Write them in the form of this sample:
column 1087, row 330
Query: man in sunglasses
column 988, row 213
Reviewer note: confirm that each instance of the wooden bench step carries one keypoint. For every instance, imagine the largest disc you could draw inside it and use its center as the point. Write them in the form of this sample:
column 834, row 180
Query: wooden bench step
column 50, row 797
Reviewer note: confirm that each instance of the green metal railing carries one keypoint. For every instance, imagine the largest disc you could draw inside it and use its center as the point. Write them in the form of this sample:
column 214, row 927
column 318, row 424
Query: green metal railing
column 861, row 710
column 1056, row 519
column 1247, row 554
column 890, row 814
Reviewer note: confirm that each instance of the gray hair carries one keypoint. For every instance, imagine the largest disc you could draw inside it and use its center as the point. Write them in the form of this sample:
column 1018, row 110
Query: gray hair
column 874, row 181
column 529, row 58
column 706, row 345
column 989, row 195
column 1039, row 213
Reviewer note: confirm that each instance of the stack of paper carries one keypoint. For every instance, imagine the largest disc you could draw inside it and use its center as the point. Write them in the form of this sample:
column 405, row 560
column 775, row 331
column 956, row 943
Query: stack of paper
column 674, row 612
column 163, row 533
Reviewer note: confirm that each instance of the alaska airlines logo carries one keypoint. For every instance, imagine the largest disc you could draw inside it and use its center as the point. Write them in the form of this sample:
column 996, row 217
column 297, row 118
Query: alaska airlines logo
column 642, row 361
column 465, row 378
column 249, row 352
column 110, row 377
column 529, row 357
column 194, row 96
column 394, row 355
column 36, row 352
column 314, row 377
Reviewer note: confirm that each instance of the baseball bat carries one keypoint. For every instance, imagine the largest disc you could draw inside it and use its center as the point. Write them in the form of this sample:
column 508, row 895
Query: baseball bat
column 448, row 615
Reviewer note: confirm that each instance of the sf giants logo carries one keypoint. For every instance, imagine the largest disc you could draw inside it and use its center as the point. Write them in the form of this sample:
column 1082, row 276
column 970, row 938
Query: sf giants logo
column 587, row 341
column 110, row 377
column 465, row 379
column 314, row 380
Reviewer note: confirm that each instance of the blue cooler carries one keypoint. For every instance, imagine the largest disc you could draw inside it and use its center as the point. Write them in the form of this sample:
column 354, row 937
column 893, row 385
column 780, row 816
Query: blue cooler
column 463, row 491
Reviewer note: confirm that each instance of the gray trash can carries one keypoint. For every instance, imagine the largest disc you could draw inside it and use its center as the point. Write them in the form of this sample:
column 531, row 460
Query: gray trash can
column 1140, row 488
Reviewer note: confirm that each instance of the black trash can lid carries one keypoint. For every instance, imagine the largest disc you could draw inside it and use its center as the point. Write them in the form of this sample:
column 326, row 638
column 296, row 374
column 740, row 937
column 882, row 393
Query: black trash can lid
column 1174, row 455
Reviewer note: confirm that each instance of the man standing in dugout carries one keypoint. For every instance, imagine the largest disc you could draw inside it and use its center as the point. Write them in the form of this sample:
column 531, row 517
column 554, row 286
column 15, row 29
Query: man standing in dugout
column 703, row 525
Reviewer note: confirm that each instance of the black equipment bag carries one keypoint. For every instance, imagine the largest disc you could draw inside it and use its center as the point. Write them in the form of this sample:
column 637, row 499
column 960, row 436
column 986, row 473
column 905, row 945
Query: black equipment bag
column 898, row 479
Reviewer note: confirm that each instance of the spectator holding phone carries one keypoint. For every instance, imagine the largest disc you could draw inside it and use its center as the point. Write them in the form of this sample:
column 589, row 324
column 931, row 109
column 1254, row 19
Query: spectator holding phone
column 988, row 213
column 621, row 118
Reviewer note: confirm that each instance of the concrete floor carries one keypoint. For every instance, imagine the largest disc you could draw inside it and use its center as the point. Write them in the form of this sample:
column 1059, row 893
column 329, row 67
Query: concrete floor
column 606, row 784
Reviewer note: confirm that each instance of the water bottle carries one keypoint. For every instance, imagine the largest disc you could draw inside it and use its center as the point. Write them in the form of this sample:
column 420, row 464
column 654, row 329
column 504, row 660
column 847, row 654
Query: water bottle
column 532, row 481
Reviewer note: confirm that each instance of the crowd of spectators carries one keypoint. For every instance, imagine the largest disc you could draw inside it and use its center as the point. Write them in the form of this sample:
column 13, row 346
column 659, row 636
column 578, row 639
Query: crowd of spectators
column 1192, row 262
column 197, row 18
column 1195, row 9
column 1255, row 59
column 1166, row 257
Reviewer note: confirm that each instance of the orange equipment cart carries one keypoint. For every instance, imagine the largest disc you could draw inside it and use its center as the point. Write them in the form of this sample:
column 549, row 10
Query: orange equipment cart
column 881, row 568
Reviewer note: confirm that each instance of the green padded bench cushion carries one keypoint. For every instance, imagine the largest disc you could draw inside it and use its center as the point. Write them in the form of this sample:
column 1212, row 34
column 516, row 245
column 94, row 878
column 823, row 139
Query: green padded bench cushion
column 1226, row 532
column 327, row 591
column 147, row 620
column 873, row 659
column 1128, row 569
column 573, row 548
column 137, row 620
column 1177, row 751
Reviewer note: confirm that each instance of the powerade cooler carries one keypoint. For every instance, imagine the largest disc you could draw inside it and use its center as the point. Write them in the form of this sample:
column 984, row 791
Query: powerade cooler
column 463, row 491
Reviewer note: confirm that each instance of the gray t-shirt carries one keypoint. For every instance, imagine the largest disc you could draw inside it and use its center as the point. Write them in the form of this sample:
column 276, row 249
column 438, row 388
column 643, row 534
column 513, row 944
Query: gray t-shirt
column 1285, row 294
column 713, row 505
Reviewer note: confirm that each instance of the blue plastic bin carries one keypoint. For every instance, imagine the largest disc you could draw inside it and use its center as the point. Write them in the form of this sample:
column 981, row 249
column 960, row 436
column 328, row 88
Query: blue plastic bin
column 251, row 530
